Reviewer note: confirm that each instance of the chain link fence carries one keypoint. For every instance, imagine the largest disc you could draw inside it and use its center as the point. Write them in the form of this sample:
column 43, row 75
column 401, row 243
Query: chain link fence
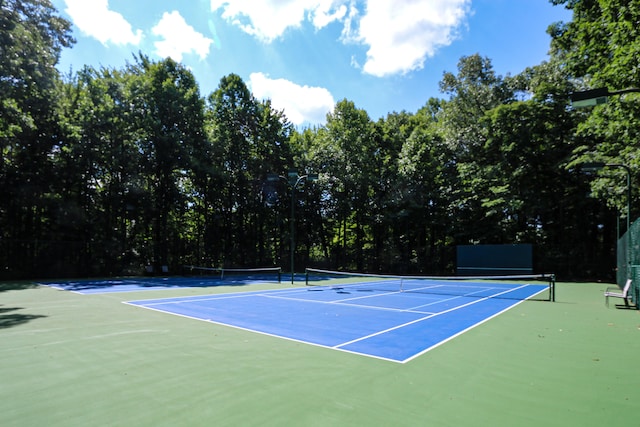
column 629, row 260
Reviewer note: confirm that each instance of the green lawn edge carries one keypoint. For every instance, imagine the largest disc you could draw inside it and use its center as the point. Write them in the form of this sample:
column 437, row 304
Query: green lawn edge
column 79, row 360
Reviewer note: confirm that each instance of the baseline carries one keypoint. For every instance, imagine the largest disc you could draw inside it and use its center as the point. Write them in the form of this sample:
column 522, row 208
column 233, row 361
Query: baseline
column 379, row 330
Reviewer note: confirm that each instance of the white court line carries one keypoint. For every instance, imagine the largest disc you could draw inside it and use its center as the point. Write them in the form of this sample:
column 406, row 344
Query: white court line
column 467, row 329
column 255, row 331
column 210, row 297
column 414, row 309
column 425, row 318
column 338, row 347
column 341, row 302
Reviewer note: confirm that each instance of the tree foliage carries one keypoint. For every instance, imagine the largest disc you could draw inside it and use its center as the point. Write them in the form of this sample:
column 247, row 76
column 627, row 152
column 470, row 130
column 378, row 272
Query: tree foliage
column 31, row 39
column 106, row 170
column 600, row 47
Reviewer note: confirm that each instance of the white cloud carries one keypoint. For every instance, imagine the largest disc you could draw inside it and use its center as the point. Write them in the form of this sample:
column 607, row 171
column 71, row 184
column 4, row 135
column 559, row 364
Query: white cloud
column 179, row 38
column 301, row 104
column 269, row 19
column 400, row 34
column 324, row 14
column 95, row 19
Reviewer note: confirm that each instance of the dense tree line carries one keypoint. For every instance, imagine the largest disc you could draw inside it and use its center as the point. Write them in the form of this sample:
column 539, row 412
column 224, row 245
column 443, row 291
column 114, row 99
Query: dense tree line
column 104, row 171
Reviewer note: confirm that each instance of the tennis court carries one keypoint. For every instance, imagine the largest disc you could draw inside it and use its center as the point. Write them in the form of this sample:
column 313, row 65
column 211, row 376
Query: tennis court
column 211, row 277
column 76, row 360
column 378, row 317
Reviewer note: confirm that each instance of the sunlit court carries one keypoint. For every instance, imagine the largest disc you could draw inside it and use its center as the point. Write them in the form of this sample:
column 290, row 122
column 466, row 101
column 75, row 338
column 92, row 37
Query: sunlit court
column 391, row 318
column 319, row 213
column 242, row 350
column 391, row 325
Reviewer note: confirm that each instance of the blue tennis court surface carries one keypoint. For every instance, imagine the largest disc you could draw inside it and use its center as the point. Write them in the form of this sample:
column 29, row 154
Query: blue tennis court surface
column 101, row 286
column 390, row 325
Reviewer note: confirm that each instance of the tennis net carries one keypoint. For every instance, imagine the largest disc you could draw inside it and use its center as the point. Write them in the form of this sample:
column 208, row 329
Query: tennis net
column 531, row 286
column 262, row 273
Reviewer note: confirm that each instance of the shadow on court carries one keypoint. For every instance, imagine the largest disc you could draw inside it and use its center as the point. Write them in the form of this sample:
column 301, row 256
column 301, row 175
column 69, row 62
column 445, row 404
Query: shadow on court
column 15, row 319
column 133, row 284
column 16, row 286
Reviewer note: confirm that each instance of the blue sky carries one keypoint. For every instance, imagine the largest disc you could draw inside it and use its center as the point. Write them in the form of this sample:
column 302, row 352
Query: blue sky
column 306, row 55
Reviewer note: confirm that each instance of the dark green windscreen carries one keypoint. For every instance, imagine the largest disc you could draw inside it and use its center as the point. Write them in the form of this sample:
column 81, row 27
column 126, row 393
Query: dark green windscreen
column 483, row 260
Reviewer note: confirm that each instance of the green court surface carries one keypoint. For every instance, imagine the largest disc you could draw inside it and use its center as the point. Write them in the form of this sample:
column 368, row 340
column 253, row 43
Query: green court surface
column 90, row 360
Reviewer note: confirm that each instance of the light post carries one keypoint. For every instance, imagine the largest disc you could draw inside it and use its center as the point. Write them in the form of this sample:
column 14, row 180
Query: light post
column 598, row 166
column 293, row 180
column 592, row 97
column 589, row 98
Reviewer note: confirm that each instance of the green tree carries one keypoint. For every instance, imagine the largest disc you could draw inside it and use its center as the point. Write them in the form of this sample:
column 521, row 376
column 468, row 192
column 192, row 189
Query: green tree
column 426, row 175
column 474, row 91
column 347, row 153
column 98, row 164
column 601, row 42
column 600, row 48
column 31, row 40
column 249, row 140
column 169, row 114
